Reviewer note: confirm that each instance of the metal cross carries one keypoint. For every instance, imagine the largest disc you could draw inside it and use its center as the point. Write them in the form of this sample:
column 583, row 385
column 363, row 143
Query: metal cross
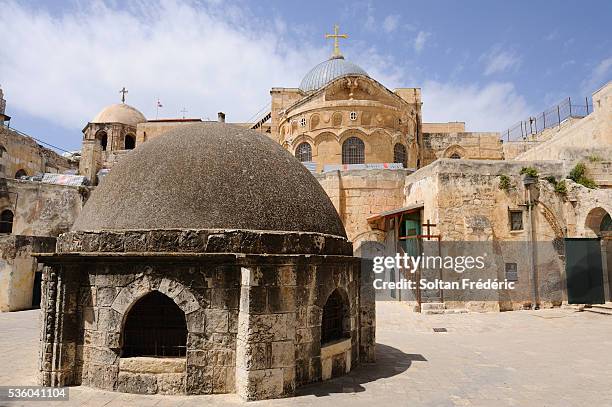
column 429, row 225
column 184, row 111
column 335, row 36
column 123, row 91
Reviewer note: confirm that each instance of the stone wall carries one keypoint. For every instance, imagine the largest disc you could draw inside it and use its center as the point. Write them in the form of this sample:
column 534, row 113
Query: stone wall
column 592, row 131
column 42, row 209
column 464, row 200
column 20, row 152
column 17, row 268
column 478, row 146
column 358, row 194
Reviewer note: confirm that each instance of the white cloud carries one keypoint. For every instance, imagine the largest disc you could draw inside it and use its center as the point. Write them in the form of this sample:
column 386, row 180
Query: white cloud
column 492, row 107
column 600, row 75
column 419, row 41
column 390, row 23
column 499, row 61
column 65, row 68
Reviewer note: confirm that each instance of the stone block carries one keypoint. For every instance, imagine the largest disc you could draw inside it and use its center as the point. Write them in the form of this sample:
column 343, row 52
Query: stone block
column 199, row 380
column 221, row 378
column 151, row 365
column 254, row 299
column 217, row 320
column 196, row 321
column 137, row 383
column 282, row 354
column 135, row 242
column 281, row 299
column 170, row 287
column 105, row 296
column 109, row 320
column 287, row 276
column 186, row 301
column 171, row 383
column 260, row 384
column 199, row 358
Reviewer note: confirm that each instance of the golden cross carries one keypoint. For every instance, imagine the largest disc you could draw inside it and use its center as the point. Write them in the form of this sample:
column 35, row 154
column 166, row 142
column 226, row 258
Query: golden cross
column 335, row 36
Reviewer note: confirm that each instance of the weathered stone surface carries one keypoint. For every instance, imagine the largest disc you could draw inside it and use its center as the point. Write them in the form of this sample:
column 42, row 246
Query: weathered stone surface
column 152, row 365
column 137, row 383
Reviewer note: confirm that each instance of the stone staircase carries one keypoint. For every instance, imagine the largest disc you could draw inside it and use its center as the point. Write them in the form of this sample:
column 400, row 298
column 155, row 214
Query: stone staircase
column 603, row 309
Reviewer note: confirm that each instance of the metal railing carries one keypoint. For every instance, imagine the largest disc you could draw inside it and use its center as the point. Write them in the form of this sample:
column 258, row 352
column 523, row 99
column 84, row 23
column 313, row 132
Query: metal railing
column 528, row 130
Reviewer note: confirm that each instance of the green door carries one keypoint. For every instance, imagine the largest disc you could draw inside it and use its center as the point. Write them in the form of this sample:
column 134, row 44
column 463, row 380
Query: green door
column 583, row 271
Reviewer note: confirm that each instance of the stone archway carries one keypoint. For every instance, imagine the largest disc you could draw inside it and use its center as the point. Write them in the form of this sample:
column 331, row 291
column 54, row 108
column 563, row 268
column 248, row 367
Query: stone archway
column 598, row 222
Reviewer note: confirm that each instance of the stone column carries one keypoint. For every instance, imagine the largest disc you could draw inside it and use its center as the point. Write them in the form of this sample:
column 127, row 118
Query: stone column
column 265, row 345
column 59, row 328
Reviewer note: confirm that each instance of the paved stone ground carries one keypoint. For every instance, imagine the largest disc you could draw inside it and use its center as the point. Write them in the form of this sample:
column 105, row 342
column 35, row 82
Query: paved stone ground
column 522, row 358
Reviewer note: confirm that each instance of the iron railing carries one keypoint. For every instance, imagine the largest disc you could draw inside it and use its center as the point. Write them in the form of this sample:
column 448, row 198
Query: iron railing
column 529, row 129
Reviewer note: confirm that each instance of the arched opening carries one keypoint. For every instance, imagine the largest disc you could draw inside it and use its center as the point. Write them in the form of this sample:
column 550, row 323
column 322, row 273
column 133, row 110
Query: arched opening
column 155, row 326
column 399, row 154
column 6, row 221
column 353, row 151
column 130, row 142
column 20, row 173
column 303, row 152
column 103, row 139
column 598, row 220
column 335, row 324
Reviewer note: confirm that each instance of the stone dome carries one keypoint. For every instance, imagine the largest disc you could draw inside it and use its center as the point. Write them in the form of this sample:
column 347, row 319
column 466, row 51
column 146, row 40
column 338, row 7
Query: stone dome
column 210, row 176
column 327, row 71
column 120, row 113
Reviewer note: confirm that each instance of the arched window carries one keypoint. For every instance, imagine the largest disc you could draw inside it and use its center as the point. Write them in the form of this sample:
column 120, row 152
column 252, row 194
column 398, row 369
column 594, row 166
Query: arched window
column 399, row 154
column 6, row 221
column 130, row 142
column 455, row 156
column 303, row 152
column 20, row 173
column 335, row 324
column 353, row 151
column 103, row 140
column 155, row 326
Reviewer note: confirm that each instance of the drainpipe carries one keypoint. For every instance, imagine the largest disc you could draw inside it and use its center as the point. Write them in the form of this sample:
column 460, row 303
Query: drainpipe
column 528, row 182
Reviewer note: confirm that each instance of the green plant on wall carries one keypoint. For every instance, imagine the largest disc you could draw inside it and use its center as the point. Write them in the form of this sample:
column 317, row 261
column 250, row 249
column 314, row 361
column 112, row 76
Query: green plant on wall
column 505, row 183
column 529, row 171
column 578, row 174
column 561, row 187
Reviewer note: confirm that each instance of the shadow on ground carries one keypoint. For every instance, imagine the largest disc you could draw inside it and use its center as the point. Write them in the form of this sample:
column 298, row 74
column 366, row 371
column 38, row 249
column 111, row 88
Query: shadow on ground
column 390, row 361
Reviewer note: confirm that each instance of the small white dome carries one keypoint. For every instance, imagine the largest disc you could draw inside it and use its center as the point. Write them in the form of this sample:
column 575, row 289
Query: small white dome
column 120, row 113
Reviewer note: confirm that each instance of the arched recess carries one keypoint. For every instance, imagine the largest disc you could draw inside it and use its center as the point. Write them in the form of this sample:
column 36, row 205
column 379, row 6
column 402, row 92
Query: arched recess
column 314, row 121
column 130, row 142
column 336, row 320
column 20, row 173
column 155, row 327
column 102, row 138
column 327, row 149
column 598, row 221
column 6, row 221
column 455, row 151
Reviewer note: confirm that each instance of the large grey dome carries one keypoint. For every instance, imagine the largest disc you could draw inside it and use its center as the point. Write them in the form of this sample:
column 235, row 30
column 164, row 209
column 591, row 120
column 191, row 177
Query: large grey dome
column 210, row 176
column 327, row 71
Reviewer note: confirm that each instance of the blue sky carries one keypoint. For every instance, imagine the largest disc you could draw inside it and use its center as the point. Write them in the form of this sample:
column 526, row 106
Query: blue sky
column 488, row 63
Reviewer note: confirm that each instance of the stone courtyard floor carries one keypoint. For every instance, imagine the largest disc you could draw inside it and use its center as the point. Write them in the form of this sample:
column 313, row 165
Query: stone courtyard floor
column 525, row 358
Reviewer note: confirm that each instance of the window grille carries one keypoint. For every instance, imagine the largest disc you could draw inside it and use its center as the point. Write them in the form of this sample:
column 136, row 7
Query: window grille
column 303, row 152
column 399, row 154
column 353, row 151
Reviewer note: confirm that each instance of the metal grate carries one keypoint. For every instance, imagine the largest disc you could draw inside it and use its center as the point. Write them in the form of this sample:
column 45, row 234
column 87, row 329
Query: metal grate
column 353, row 151
column 440, row 330
column 155, row 326
column 399, row 154
column 303, row 152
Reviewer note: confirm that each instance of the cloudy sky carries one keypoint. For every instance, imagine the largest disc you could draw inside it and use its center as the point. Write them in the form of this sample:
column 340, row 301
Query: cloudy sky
column 488, row 63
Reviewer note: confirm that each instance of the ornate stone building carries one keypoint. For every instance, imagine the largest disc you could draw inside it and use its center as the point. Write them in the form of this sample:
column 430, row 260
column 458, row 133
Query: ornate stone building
column 109, row 135
column 227, row 270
